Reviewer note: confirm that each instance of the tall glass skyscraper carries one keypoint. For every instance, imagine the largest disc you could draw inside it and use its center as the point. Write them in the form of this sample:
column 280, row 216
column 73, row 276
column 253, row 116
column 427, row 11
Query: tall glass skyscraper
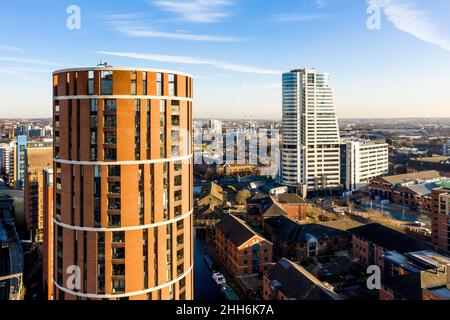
column 310, row 144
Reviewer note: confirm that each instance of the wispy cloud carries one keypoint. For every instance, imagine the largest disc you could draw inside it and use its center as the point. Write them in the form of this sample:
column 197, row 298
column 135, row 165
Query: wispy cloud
column 322, row 3
column 298, row 17
column 31, row 61
column 191, row 60
column 196, row 10
column 10, row 48
column 408, row 18
column 133, row 25
column 245, row 69
column 262, row 86
column 29, row 74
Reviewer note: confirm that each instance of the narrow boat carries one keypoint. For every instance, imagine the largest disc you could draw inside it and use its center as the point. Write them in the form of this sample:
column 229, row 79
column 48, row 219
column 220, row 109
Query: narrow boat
column 218, row 278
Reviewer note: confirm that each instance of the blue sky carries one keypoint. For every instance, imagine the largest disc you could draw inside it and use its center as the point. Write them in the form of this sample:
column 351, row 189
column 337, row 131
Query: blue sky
column 236, row 50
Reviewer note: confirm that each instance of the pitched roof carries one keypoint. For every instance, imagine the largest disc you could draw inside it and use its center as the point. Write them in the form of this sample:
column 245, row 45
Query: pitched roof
column 236, row 230
column 274, row 211
column 408, row 177
column 288, row 198
column 289, row 231
column 344, row 224
column 257, row 198
column 391, row 239
column 297, row 283
column 423, row 189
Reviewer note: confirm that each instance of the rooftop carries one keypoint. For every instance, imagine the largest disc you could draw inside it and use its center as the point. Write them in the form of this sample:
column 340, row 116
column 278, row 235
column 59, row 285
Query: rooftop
column 236, row 230
column 297, row 283
column 290, row 231
column 408, row 285
column 288, row 198
column 432, row 159
column 424, row 189
column 444, row 184
column 391, row 239
column 430, row 258
column 411, row 177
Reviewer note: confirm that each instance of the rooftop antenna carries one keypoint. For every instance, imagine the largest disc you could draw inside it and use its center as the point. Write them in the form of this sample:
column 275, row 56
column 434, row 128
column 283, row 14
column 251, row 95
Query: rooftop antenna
column 102, row 64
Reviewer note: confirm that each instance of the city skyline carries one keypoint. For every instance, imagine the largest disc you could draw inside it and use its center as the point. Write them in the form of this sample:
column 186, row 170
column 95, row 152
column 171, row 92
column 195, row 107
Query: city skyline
column 237, row 51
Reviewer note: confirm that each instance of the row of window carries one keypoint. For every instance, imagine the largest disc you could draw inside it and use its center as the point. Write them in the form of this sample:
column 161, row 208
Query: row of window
column 107, row 83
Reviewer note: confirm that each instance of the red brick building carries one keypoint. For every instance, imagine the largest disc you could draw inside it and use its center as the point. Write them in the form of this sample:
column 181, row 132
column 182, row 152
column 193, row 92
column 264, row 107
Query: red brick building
column 261, row 207
column 371, row 241
column 298, row 242
column 241, row 250
column 440, row 220
column 123, row 183
column 411, row 189
column 289, row 281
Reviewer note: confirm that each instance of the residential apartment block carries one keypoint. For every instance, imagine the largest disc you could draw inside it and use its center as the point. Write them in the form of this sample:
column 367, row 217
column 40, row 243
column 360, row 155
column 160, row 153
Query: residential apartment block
column 38, row 156
column 123, row 184
column 362, row 161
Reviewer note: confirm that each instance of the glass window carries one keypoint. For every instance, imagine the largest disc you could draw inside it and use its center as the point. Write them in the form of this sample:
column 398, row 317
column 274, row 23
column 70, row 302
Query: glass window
column 91, row 82
column 107, row 82
column 159, row 84
column 172, row 85
column 110, row 105
column 110, row 138
column 93, row 105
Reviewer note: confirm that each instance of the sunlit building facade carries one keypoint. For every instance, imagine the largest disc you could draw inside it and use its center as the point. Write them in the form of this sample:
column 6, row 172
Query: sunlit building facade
column 123, row 183
column 310, row 144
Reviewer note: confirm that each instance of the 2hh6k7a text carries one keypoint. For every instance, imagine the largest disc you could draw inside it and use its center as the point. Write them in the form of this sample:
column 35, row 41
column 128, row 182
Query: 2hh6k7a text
column 226, row 310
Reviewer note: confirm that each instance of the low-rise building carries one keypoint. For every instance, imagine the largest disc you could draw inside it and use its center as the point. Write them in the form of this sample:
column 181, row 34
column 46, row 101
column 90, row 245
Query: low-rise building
column 422, row 275
column 371, row 241
column 243, row 251
column 298, row 242
column 262, row 206
column 440, row 164
column 411, row 189
column 289, row 281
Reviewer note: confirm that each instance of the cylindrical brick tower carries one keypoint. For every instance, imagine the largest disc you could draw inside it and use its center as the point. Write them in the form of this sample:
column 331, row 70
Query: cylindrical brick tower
column 123, row 184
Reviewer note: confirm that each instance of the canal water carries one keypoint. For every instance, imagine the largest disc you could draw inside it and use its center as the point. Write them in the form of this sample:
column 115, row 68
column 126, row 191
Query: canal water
column 204, row 286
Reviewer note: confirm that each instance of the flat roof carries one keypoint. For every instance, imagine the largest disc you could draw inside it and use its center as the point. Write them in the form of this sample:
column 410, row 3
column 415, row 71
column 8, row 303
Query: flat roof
column 400, row 260
column 112, row 68
column 410, row 177
column 431, row 258
column 438, row 159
